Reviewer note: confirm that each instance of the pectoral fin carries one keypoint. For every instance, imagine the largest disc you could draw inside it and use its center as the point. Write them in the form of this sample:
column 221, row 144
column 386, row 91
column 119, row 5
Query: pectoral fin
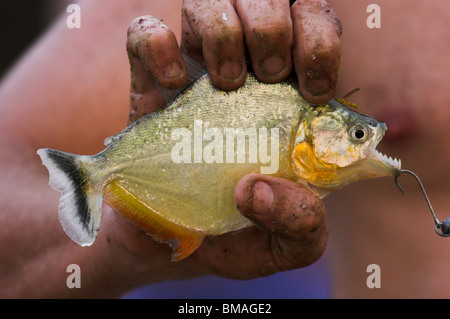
column 183, row 241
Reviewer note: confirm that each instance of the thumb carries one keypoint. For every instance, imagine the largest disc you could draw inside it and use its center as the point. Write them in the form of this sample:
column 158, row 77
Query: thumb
column 288, row 211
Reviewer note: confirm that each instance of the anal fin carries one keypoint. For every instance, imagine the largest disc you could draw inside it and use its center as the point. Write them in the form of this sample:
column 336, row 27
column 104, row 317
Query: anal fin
column 183, row 241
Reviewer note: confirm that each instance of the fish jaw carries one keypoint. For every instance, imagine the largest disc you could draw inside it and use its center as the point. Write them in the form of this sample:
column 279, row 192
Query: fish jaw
column 376, row 164
column 383, row 164
column 328, row 178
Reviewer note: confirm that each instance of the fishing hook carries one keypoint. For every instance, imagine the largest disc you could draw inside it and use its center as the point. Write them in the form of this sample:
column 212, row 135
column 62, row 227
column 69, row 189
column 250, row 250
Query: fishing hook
column 442, row 229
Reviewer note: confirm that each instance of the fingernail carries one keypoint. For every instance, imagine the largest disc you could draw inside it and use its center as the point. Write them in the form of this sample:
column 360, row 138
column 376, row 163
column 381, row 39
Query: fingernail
column 273, row 65
column 230, row 70
column 318, row 86
column 173, row 70
column 262, row 197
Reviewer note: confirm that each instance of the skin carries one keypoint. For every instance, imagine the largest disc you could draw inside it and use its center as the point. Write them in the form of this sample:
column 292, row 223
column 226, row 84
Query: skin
column 67, row 106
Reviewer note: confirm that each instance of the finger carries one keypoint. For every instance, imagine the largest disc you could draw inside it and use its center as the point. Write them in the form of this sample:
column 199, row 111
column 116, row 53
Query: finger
column 268, row 34
column 154, row 56
column 144, row 95
column 291, row 213
column 279, row 206
column 191, row 45
column 156, row 47
column 317, row 49
column 216, row 26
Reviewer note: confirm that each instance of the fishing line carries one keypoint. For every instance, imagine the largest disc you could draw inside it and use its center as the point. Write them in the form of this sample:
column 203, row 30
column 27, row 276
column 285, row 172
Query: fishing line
column 442, row 229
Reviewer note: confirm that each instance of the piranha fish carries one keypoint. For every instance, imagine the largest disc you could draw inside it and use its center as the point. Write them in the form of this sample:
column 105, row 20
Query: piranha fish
column 173, row 171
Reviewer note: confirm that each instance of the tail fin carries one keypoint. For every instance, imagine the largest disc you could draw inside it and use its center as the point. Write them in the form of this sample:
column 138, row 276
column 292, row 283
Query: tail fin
column 80, row 208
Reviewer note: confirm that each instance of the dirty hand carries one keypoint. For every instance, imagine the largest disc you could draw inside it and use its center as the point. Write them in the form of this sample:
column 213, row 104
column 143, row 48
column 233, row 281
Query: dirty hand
column 275, row 34
column 213, row 32
column 292, row 229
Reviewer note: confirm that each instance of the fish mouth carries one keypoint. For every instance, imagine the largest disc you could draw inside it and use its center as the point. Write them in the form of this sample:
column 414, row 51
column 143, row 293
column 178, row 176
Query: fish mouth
column 393, row 163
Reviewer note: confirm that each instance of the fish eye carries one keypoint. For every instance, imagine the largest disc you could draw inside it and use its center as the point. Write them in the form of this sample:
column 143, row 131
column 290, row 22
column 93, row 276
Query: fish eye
column 359, row 133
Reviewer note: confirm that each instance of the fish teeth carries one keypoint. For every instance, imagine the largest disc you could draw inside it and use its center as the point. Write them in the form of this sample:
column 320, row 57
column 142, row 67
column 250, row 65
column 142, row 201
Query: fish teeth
column 394, row 162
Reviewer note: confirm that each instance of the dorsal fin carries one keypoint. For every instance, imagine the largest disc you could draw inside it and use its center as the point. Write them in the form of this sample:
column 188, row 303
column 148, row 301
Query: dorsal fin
column 195, row 71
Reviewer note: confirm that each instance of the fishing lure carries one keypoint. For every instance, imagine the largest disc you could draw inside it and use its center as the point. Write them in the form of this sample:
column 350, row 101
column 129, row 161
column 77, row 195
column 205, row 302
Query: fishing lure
column 441, row 228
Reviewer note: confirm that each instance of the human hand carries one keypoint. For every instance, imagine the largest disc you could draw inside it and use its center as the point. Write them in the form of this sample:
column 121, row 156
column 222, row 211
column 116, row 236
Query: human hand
column 292, row 229
column 275, row 34
column 214, row 34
